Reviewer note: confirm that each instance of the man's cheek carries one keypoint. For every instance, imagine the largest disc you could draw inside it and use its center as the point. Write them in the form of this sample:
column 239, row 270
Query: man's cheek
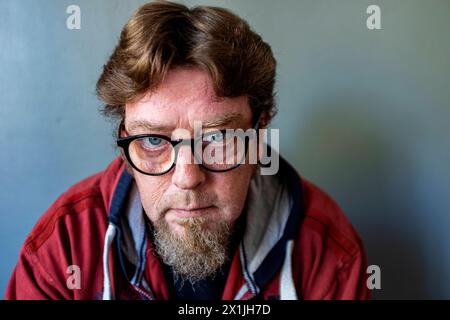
column 151, row 194
column 155, row 194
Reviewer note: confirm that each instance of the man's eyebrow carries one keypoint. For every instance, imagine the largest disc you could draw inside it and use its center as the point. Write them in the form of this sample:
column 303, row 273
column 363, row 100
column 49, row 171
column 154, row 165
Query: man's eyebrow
column 223, row 120
column 146, row 125
column 219, row 121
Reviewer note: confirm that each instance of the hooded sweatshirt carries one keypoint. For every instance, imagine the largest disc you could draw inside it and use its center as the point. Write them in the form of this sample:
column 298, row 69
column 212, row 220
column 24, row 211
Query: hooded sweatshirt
column 92, row 243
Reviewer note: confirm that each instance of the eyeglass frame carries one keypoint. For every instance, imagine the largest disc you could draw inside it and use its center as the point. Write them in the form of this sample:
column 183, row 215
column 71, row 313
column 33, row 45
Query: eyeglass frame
column 124, row 144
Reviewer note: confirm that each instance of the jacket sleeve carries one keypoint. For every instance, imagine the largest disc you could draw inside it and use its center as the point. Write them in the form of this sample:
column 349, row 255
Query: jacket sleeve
column 351, row 281
column 30, row 281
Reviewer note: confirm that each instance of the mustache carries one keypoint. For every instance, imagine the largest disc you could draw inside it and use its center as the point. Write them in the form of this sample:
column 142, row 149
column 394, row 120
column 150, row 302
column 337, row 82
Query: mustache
column 187, row 199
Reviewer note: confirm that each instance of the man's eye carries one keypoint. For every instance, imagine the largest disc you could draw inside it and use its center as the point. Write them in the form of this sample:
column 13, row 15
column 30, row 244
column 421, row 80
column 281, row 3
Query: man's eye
column 152, row 142
column 213, row 137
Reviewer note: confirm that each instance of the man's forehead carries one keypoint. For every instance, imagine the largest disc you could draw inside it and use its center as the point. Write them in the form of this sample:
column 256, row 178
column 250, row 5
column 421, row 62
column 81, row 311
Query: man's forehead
column 183, row 84
column 178, row 102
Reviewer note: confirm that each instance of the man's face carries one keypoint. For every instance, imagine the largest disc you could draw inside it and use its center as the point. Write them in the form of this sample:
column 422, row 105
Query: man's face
column 189, row 199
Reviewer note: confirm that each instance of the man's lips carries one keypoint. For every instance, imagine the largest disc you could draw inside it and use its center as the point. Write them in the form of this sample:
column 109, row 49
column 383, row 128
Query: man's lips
column 190, row 212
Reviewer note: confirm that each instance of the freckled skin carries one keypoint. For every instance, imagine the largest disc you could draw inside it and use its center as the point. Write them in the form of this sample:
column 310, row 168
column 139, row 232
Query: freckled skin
column 186, row 95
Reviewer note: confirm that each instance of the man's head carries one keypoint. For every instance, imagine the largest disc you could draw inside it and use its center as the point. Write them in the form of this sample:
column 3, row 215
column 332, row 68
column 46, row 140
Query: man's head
column 172, row 67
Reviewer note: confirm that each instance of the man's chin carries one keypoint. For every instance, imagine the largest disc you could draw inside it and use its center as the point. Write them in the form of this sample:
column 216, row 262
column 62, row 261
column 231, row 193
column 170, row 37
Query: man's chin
column 194, row 247
column 181, row 226
column 177, row 229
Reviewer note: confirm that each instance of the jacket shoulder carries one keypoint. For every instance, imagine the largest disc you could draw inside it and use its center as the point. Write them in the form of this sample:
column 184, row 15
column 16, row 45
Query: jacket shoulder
column 74, row 207
column 68, row 238
column 326, row 223
column 331, row 261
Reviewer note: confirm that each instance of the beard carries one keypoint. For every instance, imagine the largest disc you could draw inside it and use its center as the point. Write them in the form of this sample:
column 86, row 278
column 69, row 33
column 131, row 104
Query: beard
column 199, row 252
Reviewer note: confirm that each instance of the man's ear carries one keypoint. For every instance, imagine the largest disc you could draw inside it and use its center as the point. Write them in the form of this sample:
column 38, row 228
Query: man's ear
column 121, row 132
column 128, row 166
column 264, row 120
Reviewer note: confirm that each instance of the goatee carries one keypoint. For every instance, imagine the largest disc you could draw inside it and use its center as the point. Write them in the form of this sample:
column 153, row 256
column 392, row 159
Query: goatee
column 199, row 252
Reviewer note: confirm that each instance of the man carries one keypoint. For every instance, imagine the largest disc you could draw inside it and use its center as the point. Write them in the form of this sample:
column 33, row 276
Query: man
column 160, row 223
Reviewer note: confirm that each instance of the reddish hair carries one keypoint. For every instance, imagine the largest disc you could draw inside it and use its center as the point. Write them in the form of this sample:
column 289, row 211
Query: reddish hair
column 163, row 34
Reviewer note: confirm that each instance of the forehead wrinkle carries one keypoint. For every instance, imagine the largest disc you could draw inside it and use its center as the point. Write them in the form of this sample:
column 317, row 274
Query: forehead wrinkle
column 183, row 98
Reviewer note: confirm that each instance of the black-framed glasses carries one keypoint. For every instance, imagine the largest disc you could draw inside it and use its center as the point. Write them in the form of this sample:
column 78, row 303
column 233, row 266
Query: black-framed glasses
column 216, row 150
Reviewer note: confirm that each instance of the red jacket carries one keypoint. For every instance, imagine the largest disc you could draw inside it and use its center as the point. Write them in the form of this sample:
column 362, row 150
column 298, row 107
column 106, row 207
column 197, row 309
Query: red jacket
column 308, row 252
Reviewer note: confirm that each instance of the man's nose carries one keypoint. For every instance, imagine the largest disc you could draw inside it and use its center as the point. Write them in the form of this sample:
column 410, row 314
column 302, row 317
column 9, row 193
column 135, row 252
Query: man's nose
column 187, row 174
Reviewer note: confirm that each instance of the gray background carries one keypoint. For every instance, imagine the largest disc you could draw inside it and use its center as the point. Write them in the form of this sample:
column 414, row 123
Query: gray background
column 364, row 114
